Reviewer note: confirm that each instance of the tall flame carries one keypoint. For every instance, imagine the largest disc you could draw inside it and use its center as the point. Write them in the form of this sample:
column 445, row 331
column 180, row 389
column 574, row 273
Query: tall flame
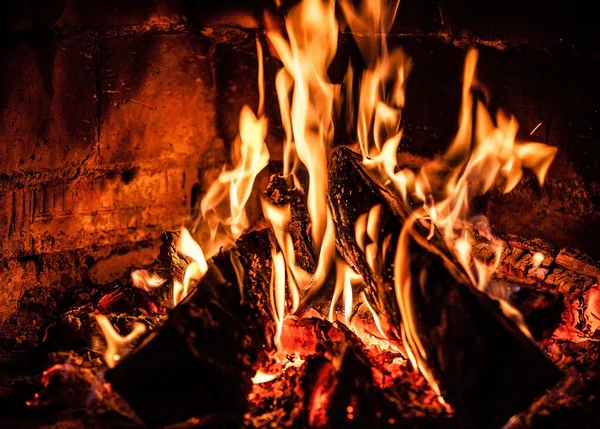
column 313, row 31
column 381, row 96
column 223, row 215
column 482, row 153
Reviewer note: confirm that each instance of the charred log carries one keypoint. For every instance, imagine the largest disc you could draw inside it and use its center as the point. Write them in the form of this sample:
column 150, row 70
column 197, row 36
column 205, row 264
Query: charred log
column 281, row 193
column 352, row 192
column 485, row 366
column 199, row 363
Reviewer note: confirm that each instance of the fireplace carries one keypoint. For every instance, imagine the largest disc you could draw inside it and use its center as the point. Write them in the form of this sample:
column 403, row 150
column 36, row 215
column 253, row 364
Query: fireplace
column 166, row 261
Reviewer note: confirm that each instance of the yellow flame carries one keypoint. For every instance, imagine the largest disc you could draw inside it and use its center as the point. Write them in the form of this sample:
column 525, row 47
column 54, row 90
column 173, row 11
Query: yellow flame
column 403, row 290
column 263, row 377
column 145, row 280
column 116, row 344
column 381, row 94
column 312, row 31
column 537, row 259
column 280, row 218
column 483, row 152
column 347, row 299
column 178, row 292
column 374, row 314
column 277, row 294
column 222, row 209
column 187, row 246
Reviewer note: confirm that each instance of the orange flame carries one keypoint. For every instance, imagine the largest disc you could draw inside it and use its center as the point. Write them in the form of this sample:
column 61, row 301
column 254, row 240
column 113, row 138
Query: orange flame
column 223, row 214
column 277, row 293
column 263, row 377
column 194, row 271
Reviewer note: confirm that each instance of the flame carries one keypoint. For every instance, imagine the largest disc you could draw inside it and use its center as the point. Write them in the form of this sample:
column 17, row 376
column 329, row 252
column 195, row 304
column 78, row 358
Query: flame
column 484, row 153
column 280, row 217
column 592, row 312
column 345, row 279
column 223, row 214
column 374, row 314
column 145, row 280
column 277, row 293
column 537, row 259
column 116, row 344
column 381, row 96
column 187, row 246
column 263, row 377
column 312, row 31
column 367, row 228
column 222, row 210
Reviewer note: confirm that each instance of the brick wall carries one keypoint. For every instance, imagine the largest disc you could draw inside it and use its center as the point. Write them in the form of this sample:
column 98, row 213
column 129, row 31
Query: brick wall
column 111, row 112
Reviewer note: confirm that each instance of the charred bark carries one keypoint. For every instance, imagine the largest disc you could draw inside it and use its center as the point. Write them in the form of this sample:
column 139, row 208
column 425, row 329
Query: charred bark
column 281, row 193
column 487, row 369
column 200, row 362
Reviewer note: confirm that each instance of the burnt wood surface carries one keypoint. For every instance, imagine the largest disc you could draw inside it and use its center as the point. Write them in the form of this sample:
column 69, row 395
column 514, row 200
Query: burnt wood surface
column 486, row 367
column 199, row 363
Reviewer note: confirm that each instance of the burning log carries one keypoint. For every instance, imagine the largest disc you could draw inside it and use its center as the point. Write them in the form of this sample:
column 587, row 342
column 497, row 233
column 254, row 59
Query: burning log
column 199, row 363
column 280, row 193
column 485, row 367
column 488, row 369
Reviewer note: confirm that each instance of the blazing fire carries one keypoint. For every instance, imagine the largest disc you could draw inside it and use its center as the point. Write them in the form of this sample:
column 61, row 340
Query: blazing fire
column 436, row 199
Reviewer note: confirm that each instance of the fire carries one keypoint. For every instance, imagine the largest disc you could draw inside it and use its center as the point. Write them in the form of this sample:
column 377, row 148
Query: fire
column 484, row 153
column 312, row 30
column 115, row 343
column 195, row 270
column 263, row 377
column 222, row 216
column 145, row 280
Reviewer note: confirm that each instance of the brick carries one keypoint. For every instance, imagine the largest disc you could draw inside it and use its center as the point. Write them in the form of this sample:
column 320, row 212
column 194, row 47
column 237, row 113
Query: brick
column 567, row 25
column 48, row 114
column 91, row 13
column 85, row 211
column 49, row 278
column 236, row 70
column 30, row 14
column 157, row 99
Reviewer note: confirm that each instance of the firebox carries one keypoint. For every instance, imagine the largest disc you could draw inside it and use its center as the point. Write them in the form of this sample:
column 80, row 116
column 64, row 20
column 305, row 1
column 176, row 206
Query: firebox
column 299, row 214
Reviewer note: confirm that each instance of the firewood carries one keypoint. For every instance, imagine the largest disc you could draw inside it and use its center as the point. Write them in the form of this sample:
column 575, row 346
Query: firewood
column 280, row 193
column 574, row 260
column 352, row 192
column 200, row 361
column 487, row 369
